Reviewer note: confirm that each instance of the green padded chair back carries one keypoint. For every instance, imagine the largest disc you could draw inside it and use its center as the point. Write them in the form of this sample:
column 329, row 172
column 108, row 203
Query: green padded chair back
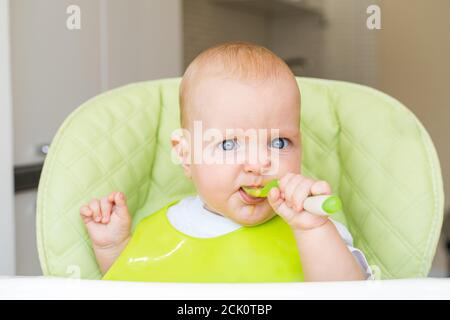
column 373, row 151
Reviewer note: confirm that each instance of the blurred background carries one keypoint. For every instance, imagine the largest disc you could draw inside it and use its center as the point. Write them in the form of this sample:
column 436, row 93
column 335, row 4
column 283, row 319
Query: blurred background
column 51, row 63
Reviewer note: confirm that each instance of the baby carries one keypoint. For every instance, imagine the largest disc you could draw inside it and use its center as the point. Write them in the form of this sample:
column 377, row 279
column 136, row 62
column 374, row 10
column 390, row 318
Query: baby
column 235, row 89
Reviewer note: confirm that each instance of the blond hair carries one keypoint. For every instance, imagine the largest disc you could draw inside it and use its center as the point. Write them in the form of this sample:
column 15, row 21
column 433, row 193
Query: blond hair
column 238, row 60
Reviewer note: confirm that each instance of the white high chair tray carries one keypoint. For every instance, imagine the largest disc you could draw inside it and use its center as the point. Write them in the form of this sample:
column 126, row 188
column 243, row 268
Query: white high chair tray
column 64, row 288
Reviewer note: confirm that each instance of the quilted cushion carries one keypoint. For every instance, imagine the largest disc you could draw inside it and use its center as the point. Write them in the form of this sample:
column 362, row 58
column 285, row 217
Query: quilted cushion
column 372, row 150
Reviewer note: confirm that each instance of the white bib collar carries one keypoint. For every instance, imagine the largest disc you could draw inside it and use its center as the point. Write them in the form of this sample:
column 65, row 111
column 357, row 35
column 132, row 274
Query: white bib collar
column 189, row 216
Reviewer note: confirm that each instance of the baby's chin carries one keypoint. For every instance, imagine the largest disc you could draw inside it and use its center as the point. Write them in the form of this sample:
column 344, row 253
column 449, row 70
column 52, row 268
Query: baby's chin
column 252, row 215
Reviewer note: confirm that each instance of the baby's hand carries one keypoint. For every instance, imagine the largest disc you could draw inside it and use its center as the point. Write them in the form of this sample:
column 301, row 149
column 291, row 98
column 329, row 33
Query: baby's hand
column 107, row 221
column 287, row 200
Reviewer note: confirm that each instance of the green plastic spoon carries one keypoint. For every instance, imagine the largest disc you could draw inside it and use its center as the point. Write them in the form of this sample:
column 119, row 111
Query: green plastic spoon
column 261, row 192
column 321, row 205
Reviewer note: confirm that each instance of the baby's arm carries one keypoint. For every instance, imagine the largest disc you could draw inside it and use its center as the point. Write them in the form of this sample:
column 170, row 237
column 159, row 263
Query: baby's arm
column 323, row 252
column 108, row 223
column 325, row 256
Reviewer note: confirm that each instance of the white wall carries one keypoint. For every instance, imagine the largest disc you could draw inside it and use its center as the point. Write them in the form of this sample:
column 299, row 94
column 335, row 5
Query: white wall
column 341, row 49
column 144, row 40
column 337, row 46
column 414, row 67
column 55, row 69
column 7, row 243
column 294, row 36
column 350, row 47
column 206, row 24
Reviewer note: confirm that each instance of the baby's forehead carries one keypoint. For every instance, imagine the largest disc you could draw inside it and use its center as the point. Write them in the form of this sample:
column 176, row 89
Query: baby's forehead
column 223, row 89
column 240, row 122
column 226, row 102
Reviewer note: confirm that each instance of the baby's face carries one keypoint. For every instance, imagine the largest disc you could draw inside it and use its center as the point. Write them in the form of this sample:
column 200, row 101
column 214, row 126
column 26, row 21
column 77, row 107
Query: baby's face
column 259, row 141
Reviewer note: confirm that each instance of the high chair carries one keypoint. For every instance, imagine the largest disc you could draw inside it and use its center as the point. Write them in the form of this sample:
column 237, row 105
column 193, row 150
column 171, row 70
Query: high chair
column 372, row 150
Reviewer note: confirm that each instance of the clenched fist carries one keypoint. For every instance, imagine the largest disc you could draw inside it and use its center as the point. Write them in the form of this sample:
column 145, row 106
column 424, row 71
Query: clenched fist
column 287, row 200
column 107, row 220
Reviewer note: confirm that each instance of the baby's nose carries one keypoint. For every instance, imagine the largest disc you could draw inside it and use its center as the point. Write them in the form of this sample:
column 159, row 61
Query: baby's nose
column 261, row 166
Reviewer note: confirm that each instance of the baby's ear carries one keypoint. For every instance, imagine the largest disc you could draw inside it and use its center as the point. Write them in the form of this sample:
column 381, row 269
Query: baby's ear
column 180, row 151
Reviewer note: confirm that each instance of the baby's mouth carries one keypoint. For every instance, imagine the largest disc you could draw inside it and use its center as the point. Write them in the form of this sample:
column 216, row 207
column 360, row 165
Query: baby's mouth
column 247, row 198
column 262, row 191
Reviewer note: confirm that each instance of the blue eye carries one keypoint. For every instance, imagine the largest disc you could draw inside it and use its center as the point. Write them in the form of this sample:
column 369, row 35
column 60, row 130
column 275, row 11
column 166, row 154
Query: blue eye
column 229, row 144
column 279, row 143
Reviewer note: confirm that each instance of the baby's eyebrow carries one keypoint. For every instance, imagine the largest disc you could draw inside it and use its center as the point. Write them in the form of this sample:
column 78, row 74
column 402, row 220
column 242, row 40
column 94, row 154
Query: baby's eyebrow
column 293, row 132
column 289, row 132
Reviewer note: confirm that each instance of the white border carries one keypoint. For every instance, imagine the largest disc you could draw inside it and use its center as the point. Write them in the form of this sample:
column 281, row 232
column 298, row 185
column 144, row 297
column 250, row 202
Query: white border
column 7, row 229
column 66, row 288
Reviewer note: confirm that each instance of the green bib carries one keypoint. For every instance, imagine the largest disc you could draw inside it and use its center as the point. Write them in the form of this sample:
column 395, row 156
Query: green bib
column 158, row 252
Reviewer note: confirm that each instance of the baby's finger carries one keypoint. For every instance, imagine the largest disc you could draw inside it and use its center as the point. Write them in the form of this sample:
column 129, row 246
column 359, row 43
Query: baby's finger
column 279, row 205
column 111, row 196
column 290, row 189
column 86, row 213
column 320, row 188
column 302, row 192
column 106, row 209
column 119, row 199
column 94, row 205
column 284, row 181
column 121, row 205
column 275, row 199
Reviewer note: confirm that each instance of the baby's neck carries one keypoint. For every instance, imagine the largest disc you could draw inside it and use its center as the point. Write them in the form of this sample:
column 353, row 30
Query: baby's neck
column 216, row 213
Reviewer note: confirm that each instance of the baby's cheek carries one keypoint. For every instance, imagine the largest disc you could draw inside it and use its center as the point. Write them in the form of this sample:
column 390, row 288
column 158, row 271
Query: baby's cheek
column 290, row 164
column 214, row 181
